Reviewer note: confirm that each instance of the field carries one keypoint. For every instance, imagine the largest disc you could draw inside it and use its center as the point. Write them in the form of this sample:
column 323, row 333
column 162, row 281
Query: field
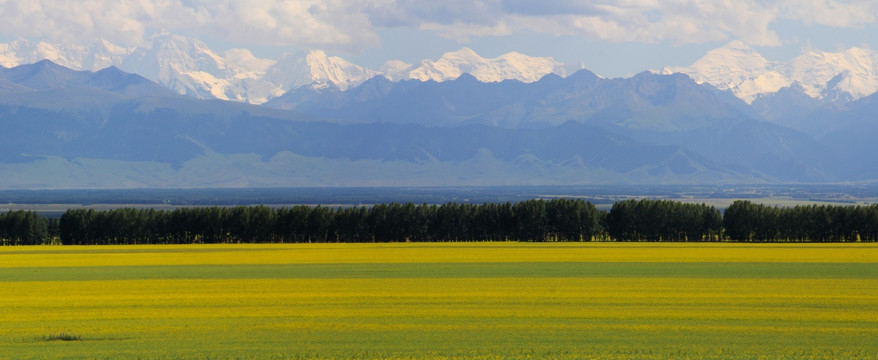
column 441, row 301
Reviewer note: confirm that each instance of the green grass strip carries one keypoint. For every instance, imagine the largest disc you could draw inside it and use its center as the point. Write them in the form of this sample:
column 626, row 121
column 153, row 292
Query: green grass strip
column 447, row 270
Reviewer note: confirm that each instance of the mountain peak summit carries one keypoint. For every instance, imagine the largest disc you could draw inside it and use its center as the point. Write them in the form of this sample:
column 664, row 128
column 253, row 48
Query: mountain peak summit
column 316, row 55
column 463, row 53
column 508, row 66
column 318, row 69
column 846, row 75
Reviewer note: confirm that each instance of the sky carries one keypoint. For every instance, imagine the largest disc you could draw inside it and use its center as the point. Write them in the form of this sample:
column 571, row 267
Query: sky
column 610, row 37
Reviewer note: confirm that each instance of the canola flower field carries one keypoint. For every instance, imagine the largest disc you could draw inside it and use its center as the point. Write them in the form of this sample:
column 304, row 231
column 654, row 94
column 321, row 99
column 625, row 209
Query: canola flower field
column 441, row 301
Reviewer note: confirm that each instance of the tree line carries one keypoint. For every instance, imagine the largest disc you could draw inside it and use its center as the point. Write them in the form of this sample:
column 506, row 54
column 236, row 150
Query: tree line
column 663, row 220
column 532, row 220
column 748, row 222
column 20, row 227
column 555, row 220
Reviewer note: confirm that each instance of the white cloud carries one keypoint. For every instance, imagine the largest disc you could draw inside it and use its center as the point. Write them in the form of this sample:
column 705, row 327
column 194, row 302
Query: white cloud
column 678, row 21
column 331, row 24
column 352, row 25
column 852, row 13
column 73, row 20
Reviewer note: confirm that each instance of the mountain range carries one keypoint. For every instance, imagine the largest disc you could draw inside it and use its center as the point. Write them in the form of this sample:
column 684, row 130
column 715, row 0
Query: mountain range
column 67, row 128
column 188, row 66
column 648, row 108
column 458, row 120
column 843, row 76
column 114, row 129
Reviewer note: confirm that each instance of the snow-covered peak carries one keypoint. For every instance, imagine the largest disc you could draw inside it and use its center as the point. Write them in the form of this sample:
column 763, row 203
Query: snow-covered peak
column 846, row 75
column 529, row 69
column 448, row 67
column 186, row 65
column 9, row 54
column 395, row 70
column 737, row 67
column 732, row 58
column 168, row 54
column 317, row 69
column 94, row 55
column 512, row 65
column 859, row 68
column 464, row 55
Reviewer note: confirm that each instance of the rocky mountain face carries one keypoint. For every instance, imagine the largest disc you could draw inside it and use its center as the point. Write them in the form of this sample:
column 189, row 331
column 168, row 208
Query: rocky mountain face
column 47, row 75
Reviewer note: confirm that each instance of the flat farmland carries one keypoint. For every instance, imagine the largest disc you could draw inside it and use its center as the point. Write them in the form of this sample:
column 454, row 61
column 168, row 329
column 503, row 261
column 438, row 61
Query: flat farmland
column 441, row 301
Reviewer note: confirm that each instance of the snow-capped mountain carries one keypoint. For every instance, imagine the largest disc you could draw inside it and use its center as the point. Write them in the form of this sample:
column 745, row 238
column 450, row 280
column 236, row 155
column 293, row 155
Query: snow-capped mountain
column 185, row 65
column 848, row 75
column 844, row 76
column 188, row 66
column 91, row 56
column 317, row 69
column 451, row 65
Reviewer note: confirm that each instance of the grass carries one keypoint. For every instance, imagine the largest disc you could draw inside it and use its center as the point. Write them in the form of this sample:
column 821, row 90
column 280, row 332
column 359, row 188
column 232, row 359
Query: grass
column 442, row 301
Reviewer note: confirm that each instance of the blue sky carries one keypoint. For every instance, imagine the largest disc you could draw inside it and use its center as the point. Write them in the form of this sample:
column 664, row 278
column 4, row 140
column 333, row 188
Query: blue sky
column 613, row 38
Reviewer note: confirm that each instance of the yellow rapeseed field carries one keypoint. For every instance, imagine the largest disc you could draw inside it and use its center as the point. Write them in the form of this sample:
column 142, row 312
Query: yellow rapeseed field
column 231, row 254
column 441, row 301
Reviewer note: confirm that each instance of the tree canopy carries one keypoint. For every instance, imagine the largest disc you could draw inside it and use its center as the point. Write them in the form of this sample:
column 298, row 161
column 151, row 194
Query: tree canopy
column 533, row 220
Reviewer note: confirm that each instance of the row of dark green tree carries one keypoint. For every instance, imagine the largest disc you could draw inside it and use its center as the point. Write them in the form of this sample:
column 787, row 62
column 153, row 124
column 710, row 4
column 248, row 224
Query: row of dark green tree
column 663, row 220
column 21, row 227
column 555, row 220
column 534, row 220
column 748, row 222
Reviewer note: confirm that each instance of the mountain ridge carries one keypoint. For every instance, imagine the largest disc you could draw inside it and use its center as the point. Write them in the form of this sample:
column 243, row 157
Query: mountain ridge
column 110, row 128
column 92, row 133
column 189, row 67
column 842, row 76
column 509, row 66
column 649, row 108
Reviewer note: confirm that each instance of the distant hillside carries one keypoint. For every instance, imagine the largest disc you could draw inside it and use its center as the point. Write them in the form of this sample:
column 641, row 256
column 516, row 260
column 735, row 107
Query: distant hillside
column 651, row 109
column 111, row 129
column 72, row 129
